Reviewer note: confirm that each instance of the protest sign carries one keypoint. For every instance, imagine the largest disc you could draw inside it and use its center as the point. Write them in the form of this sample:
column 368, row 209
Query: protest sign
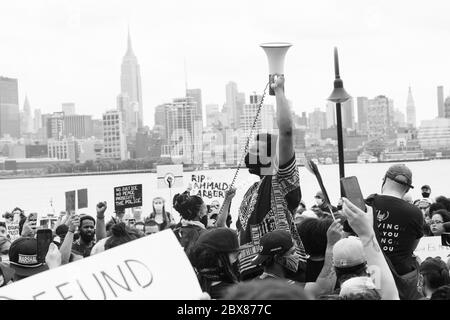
column 170, row 176
column 12, row 228
column 126, row 272
column 82, row 198
column 432, row 247
column 206, row 187
column 70, row 201
column 127, row 197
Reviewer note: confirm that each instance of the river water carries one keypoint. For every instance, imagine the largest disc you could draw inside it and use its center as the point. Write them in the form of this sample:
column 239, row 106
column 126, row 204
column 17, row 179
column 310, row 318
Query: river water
column 35, row 194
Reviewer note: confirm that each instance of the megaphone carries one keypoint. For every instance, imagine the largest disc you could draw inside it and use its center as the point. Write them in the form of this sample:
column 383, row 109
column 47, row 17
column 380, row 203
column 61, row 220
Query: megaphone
column 275, row 51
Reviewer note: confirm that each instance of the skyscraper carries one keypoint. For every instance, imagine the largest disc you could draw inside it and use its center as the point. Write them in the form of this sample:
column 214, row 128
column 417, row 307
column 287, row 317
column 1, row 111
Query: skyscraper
column 234, row 104
column 196, row 94
column 37, row 120
column 26, row 125
column 410, row 110
column 440, row 101
column 131, row 80
column 9, row 108
column 265, row 122
column 130, row 114
column 114, row 142
column 317, row 121
column 78, row 126
column 68, row 108
column 55, row 126
column 379, row 117
column 348, row 114
column 363, row 106
column 447, row 107
column 331, row 114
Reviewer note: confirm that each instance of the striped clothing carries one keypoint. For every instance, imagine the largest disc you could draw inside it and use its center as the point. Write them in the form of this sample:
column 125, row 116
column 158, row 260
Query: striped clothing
column 269, row 205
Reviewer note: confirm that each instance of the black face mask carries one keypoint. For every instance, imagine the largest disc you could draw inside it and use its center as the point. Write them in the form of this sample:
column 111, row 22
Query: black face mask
column 204, row 220
column 425, row 194
column 255, row 168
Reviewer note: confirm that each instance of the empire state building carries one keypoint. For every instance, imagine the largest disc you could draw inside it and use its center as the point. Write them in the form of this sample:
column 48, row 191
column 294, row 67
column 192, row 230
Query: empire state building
column 130, row 81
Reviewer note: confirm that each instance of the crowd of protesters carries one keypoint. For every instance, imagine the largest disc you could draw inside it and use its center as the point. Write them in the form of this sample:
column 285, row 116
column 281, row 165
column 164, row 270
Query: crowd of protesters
column 280, row 248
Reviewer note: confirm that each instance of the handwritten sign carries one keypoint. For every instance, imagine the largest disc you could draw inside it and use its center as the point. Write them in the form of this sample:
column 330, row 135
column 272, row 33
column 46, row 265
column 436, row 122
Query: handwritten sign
column 128, row 196
column 169, row 176
column 126, row 272
column 12, row 228
column 206, row 187
column 432, row 247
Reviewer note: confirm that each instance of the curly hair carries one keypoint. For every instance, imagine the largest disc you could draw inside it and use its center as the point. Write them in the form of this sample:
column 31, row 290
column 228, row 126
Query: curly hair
column 188, row 206
column 121, row 234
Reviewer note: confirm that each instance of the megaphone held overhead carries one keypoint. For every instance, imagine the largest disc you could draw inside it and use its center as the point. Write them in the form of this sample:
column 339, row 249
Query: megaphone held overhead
column 275, row 51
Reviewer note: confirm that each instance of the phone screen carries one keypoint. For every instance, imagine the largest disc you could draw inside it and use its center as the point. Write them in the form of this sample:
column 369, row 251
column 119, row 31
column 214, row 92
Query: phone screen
column 445, row 239
column 44, row 238
column 352, row 191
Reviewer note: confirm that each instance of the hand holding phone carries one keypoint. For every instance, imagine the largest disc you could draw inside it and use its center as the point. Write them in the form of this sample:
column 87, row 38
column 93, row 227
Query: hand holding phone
column 44, row 238
column 74, row 223
column 351, row 190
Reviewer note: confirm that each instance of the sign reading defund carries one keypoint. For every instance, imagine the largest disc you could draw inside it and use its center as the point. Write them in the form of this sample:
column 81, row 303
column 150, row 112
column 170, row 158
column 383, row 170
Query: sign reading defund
column 206, row 187
column 147, row 268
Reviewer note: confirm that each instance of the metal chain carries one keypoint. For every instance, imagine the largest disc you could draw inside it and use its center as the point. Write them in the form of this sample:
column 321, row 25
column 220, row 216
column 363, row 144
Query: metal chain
column 250, row 136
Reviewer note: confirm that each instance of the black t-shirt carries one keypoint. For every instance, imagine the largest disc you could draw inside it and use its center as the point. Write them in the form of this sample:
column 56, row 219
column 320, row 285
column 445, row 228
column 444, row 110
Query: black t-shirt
column 313, row 269
column 399, row 225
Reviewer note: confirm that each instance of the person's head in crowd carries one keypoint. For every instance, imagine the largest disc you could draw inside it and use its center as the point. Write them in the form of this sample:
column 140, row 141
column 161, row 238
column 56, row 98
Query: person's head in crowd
column 121, row 233
column 151, row 227
column 158, row 205
column 434, row 273
column 359, row 288
column 5, row 242
column 119, row 214
column 426, row 191
column 108, row 227
column 260, row 159
column 397, row 181
column 307, row 214
column 23, row 258
column 444, row 201
column 215, row 257
column 87, row 229
column 319, row 198
column 301, row 207
column 278, row 254
column 61, row 231
column 269, row 289
column 129, row 219
column 214, row 207
column 349, row 260
column 435, row 207
column 18, row 211
column 313, row 233
column 140, row 226
column 441, row 293
column 408, row 198
column 438, row 218
column 191, row 208
column 9, row 217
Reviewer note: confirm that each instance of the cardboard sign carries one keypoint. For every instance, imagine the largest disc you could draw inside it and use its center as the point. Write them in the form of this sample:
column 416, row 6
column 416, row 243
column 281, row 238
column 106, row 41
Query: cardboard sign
column 432, row 247
column 127, row 272
column 206, row 187
column 70, row 201
column 82, row 198
column 128, row 197
column 12, row 228
column 170, row 176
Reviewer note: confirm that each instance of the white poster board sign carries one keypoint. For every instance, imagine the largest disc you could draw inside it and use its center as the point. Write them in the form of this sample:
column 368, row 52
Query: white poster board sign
column 151, row 268
column 170, row 176
column 12, row 228
column 432, row 247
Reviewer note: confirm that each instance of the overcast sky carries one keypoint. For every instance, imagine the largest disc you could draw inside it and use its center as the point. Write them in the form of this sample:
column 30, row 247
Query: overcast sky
column 71, row 51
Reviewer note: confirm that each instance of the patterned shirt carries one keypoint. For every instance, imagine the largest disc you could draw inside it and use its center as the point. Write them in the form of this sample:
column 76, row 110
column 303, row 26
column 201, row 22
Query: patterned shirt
column 269, row 205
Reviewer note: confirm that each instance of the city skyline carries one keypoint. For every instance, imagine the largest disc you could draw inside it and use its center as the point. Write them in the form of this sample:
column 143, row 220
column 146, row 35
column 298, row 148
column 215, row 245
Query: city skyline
column 64, row 52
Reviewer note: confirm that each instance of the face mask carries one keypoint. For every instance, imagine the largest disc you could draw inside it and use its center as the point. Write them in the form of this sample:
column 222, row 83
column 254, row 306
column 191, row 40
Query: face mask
column 204, row 221
column 158, row 207
column 319, row 201
column 291, row 262
column 255, row 168
column 425, row 194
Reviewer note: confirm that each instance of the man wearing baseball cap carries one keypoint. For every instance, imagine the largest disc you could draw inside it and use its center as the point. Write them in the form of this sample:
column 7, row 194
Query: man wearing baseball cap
column 398, row 226
column 23, row 258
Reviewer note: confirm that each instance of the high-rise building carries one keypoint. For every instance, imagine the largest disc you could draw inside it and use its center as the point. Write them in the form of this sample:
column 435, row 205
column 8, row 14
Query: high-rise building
column 68, row 108
column 78, row 126
column 37, row 120
column 399, row 118
column 331, row 114
column 317, row 121
column 130, row 114
column 410, row 110
column 348, row 114
column 196, row 94
column 447, row 107
column 265, row 122
column 234, row 104
column 114, row 142
column 9, row 108
column 131, row 81
column 379, row 118
column 63, row 149
column 440, row 101
column 434, row 134
column 55, row 126
column 213, row 115
column 363, row 106
column 26, row 125
column 160, row 115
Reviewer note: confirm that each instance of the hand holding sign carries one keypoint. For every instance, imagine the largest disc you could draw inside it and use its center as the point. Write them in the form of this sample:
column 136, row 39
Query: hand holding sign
column 74, row 223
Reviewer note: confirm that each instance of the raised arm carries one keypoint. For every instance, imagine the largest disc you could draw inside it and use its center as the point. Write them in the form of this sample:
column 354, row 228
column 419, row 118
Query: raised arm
column 362, row 223
column 66, row 247
column 100, row 226
column 225, row 210
column 285, row 123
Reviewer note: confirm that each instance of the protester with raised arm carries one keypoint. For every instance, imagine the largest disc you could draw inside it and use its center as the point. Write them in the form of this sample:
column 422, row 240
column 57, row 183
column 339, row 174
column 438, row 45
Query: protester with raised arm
column 224, row 212
column 270, row 203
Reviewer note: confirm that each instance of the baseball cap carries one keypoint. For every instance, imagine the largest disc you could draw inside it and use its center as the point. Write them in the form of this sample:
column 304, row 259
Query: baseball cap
column 400, row 173
column 219, row 239
column 356, row 285
column 23, row 257
column 273, row 243
column 348, row 252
